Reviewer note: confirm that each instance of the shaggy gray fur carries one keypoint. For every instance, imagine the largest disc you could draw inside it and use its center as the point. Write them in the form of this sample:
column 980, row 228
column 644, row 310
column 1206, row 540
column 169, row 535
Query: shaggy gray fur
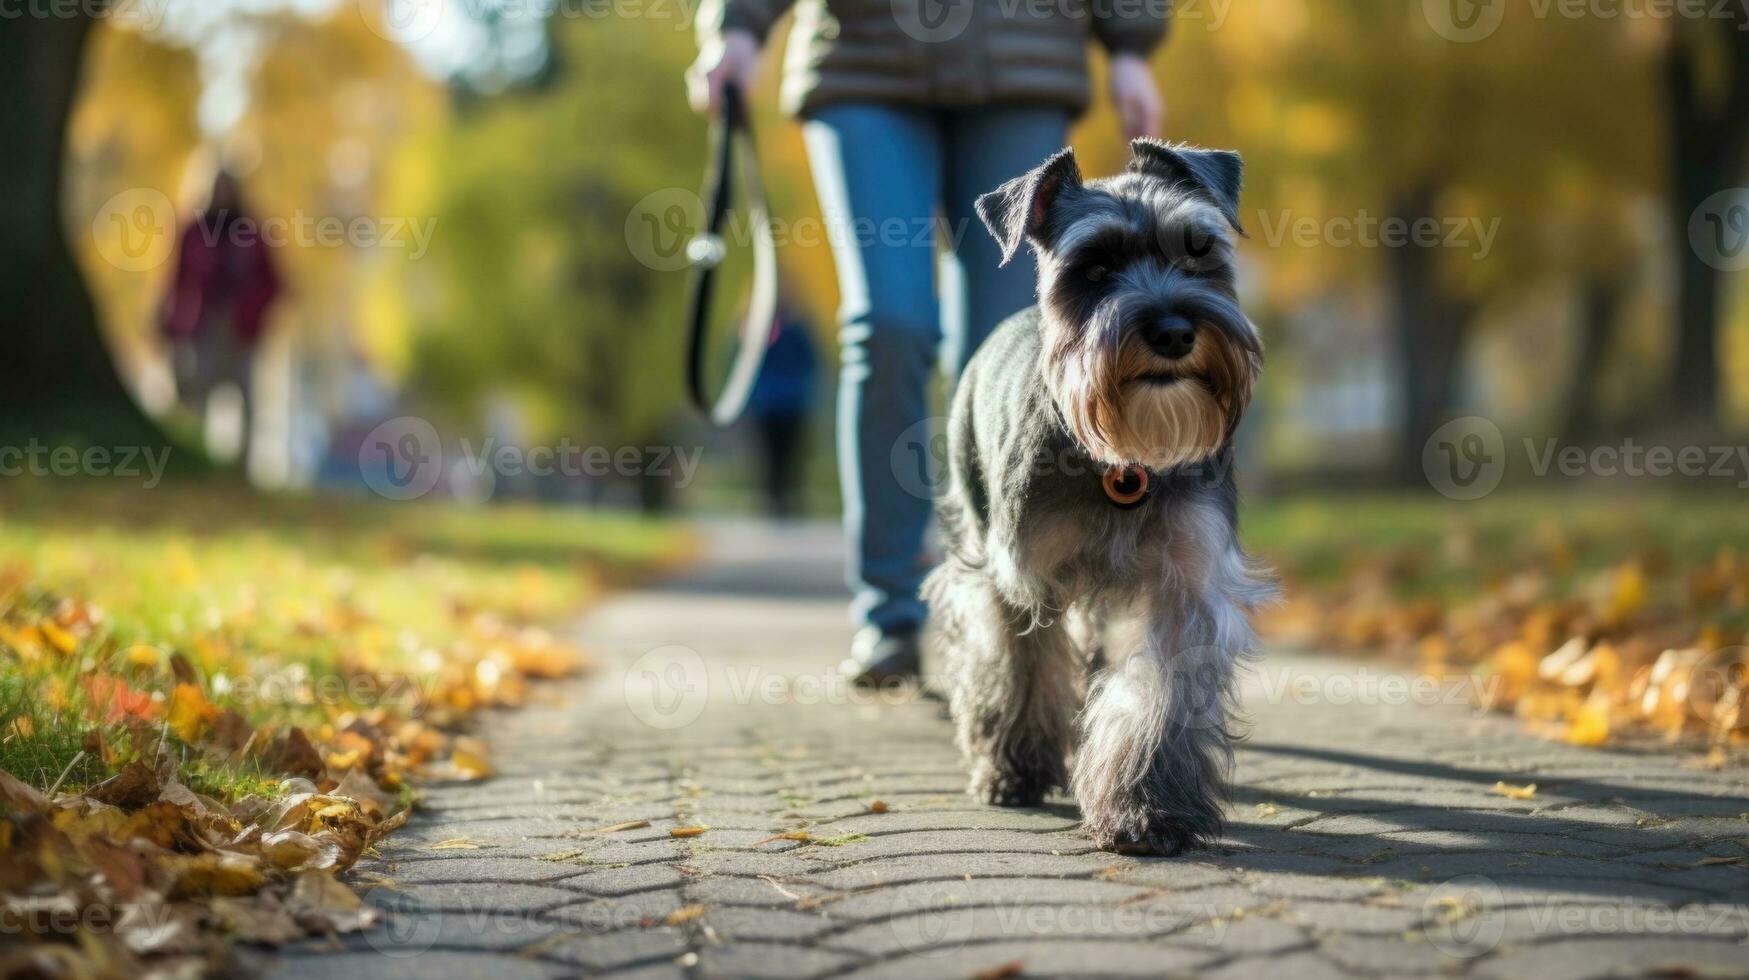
column 1042, row 568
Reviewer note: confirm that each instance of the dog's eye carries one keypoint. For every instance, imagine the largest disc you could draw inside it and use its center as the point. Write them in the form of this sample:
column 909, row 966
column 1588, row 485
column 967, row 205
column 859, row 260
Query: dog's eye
column 1097, row 273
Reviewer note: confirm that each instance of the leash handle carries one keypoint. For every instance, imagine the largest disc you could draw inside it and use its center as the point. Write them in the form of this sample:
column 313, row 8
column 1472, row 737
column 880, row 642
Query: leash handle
column 731, row 137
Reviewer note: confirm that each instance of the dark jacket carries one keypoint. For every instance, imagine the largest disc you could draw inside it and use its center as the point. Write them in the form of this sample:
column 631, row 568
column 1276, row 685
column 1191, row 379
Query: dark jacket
column 946, row 53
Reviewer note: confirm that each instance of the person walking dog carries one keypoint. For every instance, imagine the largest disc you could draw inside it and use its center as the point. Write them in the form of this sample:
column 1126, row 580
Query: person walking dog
column 911, row 109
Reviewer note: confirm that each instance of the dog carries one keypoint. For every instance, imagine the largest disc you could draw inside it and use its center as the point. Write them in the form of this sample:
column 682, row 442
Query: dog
column 1090, row 511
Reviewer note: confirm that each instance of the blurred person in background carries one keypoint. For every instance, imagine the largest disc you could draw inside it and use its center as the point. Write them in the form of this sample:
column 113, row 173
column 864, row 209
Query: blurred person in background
column 907, row 117
column 778, row 409
column 216, row 311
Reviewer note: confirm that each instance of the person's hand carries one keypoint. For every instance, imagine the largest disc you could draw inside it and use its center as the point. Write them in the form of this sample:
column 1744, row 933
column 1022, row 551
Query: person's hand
column 732, row 58
column 1137, row 96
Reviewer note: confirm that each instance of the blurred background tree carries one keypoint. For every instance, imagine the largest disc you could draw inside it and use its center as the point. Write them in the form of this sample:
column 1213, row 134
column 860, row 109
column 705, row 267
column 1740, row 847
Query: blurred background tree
column 1569, row 154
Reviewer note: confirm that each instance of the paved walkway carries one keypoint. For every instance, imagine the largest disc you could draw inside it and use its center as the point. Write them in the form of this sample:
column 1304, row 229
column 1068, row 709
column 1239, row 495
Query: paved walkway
column 1366, row 837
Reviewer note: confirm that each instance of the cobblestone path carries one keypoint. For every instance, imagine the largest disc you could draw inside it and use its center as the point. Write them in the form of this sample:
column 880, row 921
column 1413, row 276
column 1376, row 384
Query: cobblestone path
column 1367, row 835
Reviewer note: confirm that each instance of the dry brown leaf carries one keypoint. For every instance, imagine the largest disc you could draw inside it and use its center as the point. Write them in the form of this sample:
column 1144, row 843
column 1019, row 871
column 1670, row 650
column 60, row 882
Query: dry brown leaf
column 289, row 850
column 130, row 789
column 876, row 806
column 322, row 904
column 16, row 793
column 798, row 835
column 687, row 831
column 217, row 873
column 258, row 919
column 455, row 844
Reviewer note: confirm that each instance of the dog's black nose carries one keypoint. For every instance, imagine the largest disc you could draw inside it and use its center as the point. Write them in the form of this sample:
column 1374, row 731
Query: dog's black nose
column 1172, row 337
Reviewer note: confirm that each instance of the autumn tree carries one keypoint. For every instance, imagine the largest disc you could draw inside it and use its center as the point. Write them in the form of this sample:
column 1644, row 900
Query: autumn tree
column 57, row 379
column 1706, row 69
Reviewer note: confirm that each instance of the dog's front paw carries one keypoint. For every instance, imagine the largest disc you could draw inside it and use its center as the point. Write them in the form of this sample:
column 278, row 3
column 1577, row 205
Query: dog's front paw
column 1003, row 787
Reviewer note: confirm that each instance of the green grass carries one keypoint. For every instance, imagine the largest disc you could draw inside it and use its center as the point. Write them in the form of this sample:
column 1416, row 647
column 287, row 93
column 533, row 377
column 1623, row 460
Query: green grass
column 1441, row 548
column 264, row 598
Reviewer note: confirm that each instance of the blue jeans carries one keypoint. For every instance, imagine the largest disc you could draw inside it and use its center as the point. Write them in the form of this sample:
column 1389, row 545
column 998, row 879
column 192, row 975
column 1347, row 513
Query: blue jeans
column 884, row 174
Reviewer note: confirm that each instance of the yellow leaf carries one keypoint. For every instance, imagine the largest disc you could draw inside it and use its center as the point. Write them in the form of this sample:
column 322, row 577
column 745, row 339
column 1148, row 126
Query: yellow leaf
column 1627, row 594
column 1515, row 792
column 687, row 831
column 189, row 712
column 1590, row 724
column 58, row 637
column 454, row 844
column 218, row 873
column 684, row 914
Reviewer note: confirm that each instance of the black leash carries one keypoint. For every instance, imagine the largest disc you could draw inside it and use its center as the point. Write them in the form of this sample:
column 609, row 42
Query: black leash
column 731, row 136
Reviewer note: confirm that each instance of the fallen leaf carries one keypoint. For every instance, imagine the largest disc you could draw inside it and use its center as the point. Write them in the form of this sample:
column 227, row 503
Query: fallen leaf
column 684, row 914
column 293, row 753
column 17, row 794
column 217, row 873
column 454, row 844
column 130, row 789
column 289, row 850
column 616, row 828
column 190, row 712
column 1011, row 969
column 1515, row 792
column 876, row 806
column 322, row 904
column 799, row 835
column 687, row 831
column 1590, row 724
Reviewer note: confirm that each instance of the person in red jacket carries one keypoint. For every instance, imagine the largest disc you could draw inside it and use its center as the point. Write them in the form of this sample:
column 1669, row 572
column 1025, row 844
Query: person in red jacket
column 224, row 285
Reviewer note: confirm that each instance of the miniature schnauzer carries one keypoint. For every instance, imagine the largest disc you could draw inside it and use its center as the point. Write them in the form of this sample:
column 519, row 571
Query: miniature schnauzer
column 1091, row 509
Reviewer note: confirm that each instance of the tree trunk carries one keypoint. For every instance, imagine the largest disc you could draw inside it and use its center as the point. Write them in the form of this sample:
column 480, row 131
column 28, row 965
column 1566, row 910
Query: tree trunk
column 1431, row 323
column 58, row 383
column 1600, row 303
column 1708, row 104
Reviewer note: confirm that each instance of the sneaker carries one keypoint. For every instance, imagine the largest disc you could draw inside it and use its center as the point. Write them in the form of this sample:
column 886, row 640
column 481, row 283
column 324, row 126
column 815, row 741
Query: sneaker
column 878, row 658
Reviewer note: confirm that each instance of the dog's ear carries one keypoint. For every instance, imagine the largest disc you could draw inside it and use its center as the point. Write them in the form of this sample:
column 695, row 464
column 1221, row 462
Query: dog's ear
column 1218, row 174
column 1021, row 208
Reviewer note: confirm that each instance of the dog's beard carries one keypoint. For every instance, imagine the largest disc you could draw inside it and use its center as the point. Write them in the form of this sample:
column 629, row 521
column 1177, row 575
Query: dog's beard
column 1127, row 406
